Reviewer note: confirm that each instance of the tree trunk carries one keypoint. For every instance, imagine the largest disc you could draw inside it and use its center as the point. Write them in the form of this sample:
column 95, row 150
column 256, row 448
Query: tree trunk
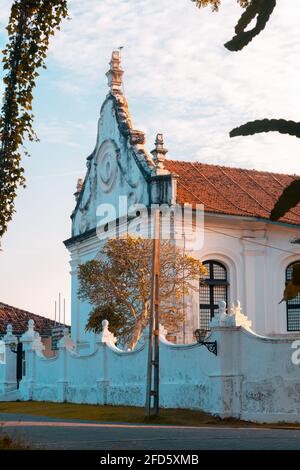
column 139, row 327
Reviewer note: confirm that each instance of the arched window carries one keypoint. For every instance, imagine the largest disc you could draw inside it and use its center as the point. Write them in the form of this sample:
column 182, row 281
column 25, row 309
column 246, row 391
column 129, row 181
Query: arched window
column 292, row 306
column 212, row 290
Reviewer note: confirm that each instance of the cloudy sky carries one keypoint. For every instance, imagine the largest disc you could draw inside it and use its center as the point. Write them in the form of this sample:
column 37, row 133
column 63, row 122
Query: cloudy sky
column 179, row 80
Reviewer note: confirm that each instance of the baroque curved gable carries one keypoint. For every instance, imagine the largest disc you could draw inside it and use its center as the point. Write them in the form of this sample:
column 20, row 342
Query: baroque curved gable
column 119, row 166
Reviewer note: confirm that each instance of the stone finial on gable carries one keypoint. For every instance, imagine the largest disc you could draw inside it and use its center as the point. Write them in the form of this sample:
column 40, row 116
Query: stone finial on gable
column 159, row 155
column 79, row 187
column 115, row 73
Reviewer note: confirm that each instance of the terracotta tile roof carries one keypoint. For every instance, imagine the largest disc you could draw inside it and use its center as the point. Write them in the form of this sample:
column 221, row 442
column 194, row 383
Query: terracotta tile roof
column 233, row 191
column 19, row 320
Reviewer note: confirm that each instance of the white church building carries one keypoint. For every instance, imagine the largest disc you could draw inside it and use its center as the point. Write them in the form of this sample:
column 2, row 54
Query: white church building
column 248, row 256
column 255, row 374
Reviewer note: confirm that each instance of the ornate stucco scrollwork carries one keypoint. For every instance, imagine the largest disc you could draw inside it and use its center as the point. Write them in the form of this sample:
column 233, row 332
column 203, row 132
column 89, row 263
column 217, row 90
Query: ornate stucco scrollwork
column 107, row 166
column 135, row 196
column 83, row 223
column 133, row 178
column 137, row 137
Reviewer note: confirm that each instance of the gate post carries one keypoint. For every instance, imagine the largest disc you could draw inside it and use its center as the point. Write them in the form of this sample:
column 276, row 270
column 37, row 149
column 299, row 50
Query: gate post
column 228, row 379
column 62, row 382
column 27, row 383
column 103, row 340
column 8, row 377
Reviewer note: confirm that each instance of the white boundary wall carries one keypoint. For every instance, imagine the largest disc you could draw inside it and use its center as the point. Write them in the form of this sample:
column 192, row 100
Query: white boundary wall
column 252, row 377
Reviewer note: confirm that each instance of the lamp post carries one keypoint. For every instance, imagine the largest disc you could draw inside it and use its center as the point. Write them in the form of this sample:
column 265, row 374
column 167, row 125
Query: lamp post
column 153, row 351
column 201, row 336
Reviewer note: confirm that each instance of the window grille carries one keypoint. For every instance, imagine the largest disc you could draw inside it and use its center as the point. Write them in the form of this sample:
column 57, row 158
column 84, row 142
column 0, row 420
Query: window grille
column 213, row 288
column 292, row 306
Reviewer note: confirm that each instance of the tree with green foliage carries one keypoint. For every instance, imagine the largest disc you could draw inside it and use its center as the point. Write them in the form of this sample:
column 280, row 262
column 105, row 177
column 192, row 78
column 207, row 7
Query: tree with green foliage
column 31, row 24
column 118, row 286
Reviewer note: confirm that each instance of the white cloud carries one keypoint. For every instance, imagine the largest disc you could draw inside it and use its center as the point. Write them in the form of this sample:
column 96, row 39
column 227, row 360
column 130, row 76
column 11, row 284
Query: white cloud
column 56, row 131
column 182, row 81
column 4, row 11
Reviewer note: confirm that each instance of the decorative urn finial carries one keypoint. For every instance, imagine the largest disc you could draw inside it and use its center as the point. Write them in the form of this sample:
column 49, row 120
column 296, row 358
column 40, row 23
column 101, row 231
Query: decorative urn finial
column 159, row 153
column 78, row 188
column 115, row 73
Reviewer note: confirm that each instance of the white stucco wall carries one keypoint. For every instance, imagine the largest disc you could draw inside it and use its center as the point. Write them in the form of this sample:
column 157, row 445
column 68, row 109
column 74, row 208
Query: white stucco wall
column 252, row 377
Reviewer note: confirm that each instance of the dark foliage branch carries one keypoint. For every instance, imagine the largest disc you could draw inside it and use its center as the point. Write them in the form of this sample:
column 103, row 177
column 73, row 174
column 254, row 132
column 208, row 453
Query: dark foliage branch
column 247, row 16
column 267, row 125
column 31, row 24
column 262, row 10
column 288, row 199
column 291, row 195
column 259, row 9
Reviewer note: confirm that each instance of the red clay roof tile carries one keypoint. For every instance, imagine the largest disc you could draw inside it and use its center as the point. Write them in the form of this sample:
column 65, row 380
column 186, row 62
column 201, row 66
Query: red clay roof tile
column 232, row 191
column 19, row 320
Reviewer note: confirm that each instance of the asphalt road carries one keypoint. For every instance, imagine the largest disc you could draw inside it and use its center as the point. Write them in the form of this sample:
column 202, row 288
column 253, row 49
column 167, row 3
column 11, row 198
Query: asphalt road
column 48, row 433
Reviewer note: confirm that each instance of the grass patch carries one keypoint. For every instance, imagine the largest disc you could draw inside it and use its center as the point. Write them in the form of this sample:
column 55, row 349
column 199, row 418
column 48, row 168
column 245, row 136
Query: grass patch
column 128, row 414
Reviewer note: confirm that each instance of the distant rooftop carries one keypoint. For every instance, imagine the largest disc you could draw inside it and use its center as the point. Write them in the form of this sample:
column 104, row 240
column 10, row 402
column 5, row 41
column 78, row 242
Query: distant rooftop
column 19, row 318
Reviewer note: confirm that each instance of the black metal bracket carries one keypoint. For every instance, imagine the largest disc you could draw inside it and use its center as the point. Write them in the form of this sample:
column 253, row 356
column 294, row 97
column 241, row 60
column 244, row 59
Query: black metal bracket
column 211, row 346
